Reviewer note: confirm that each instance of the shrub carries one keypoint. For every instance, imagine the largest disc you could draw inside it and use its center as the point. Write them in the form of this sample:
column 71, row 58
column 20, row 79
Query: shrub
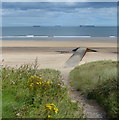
column 27, row 92
column 98, row 80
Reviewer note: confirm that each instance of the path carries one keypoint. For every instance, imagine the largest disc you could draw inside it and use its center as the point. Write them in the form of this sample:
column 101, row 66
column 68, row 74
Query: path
column 90, row 107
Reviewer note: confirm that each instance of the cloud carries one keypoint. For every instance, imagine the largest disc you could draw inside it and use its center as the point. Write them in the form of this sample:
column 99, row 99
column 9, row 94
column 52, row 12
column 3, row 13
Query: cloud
column 60, row 0
column 55, row 5
column 59, row 13
column 28, row 9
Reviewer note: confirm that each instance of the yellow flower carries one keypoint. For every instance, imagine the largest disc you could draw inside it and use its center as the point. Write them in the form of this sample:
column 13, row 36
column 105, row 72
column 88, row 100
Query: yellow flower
column 40, row 78
column 32, row 76
column 52, row 105
column 31, row 85
column 37, row 83
column 56, row 110
column 48, row 106
column 49, row 116
column 48, row 82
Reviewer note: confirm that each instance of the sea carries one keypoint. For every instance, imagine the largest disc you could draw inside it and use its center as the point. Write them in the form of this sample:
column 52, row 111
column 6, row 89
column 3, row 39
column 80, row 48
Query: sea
column 38, row 33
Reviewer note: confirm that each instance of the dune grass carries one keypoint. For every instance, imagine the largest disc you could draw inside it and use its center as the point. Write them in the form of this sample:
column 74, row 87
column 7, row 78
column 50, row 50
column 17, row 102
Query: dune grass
column 98, row 80
column 28, row 92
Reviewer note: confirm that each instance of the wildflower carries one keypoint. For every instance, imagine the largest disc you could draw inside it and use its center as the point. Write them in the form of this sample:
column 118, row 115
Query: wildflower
column 48, row 82
column 49, row 116
column 37, row 83
column 13, row 82
column 48, row 106
column 52, row 107
column 32, row 77
column 18, row 114
column 31, row 85
column 56, row 110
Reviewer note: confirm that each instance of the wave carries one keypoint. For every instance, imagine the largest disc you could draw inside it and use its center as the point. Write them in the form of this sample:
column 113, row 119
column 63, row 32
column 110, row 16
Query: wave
column 71, row 36
column 112, row 36
column 26, row 36
column 33, row 36
column 49, row 36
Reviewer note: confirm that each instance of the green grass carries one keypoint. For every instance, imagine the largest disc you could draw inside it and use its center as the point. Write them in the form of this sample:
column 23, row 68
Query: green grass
column 22, row 101
column 98, row 80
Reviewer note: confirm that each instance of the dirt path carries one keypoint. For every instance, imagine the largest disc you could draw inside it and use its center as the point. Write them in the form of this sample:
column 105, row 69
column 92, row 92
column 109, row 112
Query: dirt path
column 90, row 107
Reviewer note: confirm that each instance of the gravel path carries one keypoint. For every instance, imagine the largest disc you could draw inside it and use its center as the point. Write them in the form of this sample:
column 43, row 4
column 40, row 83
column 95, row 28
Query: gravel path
column 90, row 107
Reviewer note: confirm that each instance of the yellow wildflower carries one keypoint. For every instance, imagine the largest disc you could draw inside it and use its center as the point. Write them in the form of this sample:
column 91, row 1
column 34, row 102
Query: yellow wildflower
column 32, row 76
column 48, row 106
column 31, row 85
column 48, row 82
column 49, row 116
column 52, row 105
column 37, row 83
column 56, row 110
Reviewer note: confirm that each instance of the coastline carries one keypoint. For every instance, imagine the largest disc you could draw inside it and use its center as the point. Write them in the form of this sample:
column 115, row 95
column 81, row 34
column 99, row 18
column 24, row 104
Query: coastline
column 54, row 54
column 60, row 43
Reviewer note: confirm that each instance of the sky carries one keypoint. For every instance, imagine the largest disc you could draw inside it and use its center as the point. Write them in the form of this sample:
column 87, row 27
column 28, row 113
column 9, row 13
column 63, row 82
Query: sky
column 59, row 13
column 60, row 0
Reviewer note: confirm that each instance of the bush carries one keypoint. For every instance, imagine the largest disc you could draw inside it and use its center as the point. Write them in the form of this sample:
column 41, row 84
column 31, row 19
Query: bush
column 32, row 93
column 98, row 80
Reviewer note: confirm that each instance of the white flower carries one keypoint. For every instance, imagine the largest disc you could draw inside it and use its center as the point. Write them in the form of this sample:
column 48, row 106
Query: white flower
column 13, row 82
column 18, row 114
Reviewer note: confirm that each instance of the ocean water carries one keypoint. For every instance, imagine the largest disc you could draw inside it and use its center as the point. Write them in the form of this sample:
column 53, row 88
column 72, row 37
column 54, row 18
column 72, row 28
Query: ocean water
column 57, row 32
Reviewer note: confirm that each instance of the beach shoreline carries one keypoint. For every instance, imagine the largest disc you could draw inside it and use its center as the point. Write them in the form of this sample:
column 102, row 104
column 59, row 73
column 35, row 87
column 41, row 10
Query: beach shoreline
column 54, row 54
column 66, row 44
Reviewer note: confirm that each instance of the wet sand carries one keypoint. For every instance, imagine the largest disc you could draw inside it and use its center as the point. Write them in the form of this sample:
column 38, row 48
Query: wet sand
column 75, row 43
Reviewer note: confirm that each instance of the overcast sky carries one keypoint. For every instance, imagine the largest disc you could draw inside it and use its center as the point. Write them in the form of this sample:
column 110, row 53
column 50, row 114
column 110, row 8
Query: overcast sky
column 60, row 0
column 59, row 13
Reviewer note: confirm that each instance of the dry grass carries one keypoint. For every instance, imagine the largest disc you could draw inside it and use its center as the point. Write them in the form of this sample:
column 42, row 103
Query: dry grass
column 98, row 80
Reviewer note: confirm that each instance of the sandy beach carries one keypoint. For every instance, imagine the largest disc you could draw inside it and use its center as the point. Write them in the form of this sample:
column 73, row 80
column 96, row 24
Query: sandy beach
column 54, row 54
column 70, row 43
column 44, row 51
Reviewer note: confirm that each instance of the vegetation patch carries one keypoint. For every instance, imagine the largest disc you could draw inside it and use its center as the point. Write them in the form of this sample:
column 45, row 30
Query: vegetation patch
column 28, row 92
column 98, row 80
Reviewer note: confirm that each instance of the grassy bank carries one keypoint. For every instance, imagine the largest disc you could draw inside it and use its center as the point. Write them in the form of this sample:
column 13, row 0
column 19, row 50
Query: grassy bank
column 28, row 92
column 98, row 80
